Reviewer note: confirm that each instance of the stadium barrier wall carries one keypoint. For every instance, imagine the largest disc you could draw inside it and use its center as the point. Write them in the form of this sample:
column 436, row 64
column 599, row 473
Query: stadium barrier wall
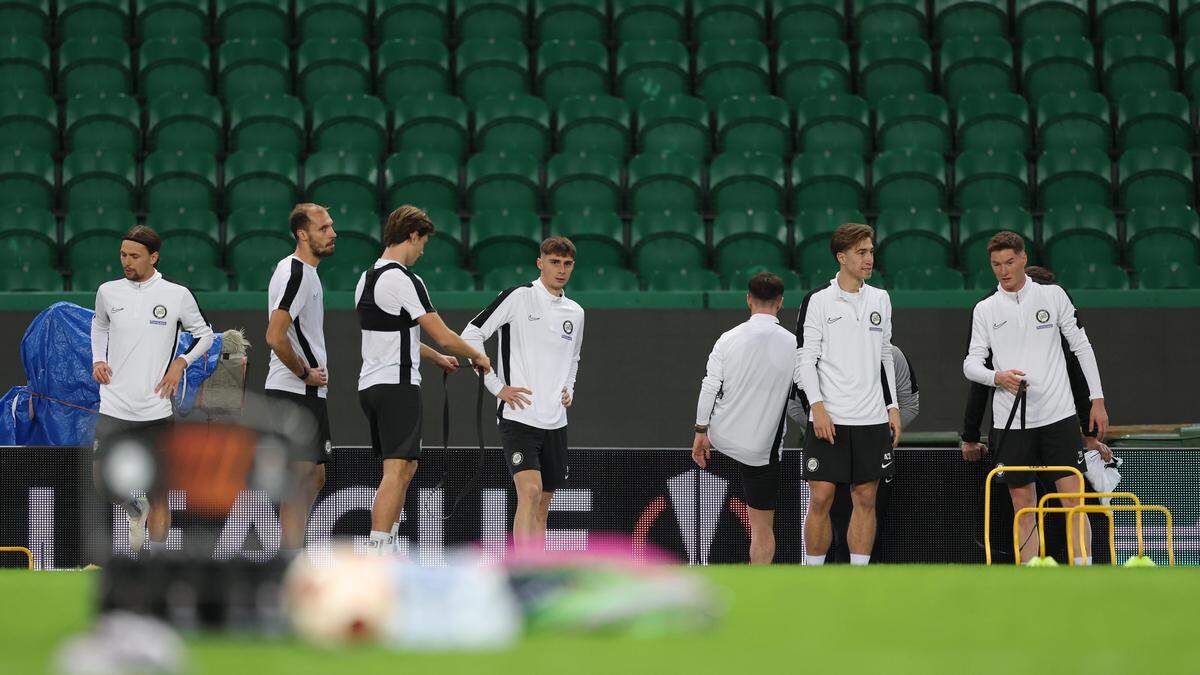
column 656, row 496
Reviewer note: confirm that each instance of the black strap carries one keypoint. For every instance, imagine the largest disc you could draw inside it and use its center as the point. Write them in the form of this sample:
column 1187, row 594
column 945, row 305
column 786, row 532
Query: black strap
column 1018, row 402
column 446, row 444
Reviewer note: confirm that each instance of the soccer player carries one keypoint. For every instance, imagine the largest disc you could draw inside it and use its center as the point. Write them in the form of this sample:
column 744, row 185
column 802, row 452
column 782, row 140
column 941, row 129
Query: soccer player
column 973, row 449
column 541, row 334
column 393, row 306
column 742, row 404
column 1021, row 326
column 134, row 334
column 298, row 372
column 846, row 336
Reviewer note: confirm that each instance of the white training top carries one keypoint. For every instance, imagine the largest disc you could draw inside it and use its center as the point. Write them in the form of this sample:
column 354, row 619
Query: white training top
column 538, row 348
column 296, row 289
column 744, row 394
column 839, row 351
column 389, row 299
column 1022, row 331
column 135, row 330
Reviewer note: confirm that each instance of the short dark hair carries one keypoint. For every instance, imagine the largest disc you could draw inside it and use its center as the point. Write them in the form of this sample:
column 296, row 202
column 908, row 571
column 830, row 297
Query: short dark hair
column 1040, row 274
column 299, row 220
column 402, row 222
column 847, row 235
column 1005, row 240
column 765, row 287
column 141, row 234
column 558, row 246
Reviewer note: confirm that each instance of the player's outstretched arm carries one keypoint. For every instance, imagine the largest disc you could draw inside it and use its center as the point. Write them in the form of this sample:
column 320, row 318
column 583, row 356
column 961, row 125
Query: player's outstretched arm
column 449, row 364
column 447, row 339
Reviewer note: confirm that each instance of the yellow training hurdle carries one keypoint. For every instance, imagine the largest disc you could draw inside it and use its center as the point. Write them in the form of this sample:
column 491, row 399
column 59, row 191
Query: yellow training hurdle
column 1112, row 536
column 987, row 498
column 1072, row 511
column 19, row 549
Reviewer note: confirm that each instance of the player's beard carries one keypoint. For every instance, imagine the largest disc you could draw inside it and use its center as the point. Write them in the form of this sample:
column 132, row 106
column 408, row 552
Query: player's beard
column 321, row 252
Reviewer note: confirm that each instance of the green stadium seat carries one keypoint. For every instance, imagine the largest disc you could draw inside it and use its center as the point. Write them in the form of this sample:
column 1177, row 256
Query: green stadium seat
column 24, row 64
column 908, row 178
column 836, row 122
column 1191, row 59
column 1132, row 17
column 977, row 226
column 445, row 246
column 594, row 124
column 492, row 67
column 1057, row 64
column 342, row 19
column 599, row 236
column 886, row 19
column 739, row 280
column 649, row 69
column 400, row 19
column 516, row 123
column 755, row 123
column 804, row 19
column 98, row 177
column 814, row 227
column 342, row 272
column 912, row 237
column 1161, row 234
column 895, row 65
column 743, row 239
column 89, row 18
column 195, row 276
column 983, row 278
column 650, row 20
column 507, row 277
column 256, row 239
column 446, row 278
column 1092, row 275
column 1043, row 18
column 173, row 18
column 94, row 65
column 485, row 19
column 813, row 67
column 29, row 235
column 683, row 279
column 186, row 121
column 411, row 66
column 996, row 120
column 1078, row 234
column 571, row 68
column 337, row 66
column 258, row 220
column 1138, row 64
column 261, row 177
column 676, row 123
column 98, row 272
column 1075, row 119
column 88, row 233
column 665, row 180
column 26, row 177
column 354, row 123
column 991, row 177
column 426, row 179
column 253, row 66
column 248, row 19
column 179, row 178
column 502, row 237
column 668, row 240
column 969, row 17
column 1075, row 175
column 173, row 65
column 1156, row 175
column 747, row 180
column 828, row 180
column 273, row 121
column 189, row 235
column 26, row 18
column 927, row 278
column 355, row 252
column 29, row 119
column 575, row 181
column 570, row 19
column 913, row 121
column 976, row 64
column 27, row 276
column 1170, row 275
column 598, row 278
column 727, row 68
column 1189, row 19
column 500, row 180
column 344, row 178
column 360, row 224
column 1162, row 118
column 729, row 20
column 431, row 122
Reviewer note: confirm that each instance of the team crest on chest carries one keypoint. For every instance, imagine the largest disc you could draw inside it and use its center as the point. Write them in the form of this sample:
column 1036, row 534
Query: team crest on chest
column 876, row 318
column 159, row 311
column 1042, row 316
column 568, row 327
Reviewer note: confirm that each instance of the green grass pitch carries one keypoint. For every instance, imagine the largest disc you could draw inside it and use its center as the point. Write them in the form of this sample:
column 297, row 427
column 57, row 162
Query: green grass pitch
column 784, row 619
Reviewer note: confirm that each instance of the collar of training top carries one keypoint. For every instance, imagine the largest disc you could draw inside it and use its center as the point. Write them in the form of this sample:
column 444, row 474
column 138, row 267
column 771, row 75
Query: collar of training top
column 759, row 316
column 844, row 294
column 147, row 283
column 1021, row 294
column 296, row 257
column 537, row 283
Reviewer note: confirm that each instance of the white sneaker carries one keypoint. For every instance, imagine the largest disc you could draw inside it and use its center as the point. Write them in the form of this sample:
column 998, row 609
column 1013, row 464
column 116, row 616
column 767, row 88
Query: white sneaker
column 137, row 524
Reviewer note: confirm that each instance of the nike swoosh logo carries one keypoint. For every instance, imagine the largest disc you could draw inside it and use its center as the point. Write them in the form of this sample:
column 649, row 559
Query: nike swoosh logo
column 833, row 320
column 534, row 318
column 117, row 309
column 996, row 326
column 884, row 466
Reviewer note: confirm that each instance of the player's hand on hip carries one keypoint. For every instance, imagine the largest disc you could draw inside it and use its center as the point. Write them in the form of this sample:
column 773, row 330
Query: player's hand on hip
column 446, row 363
column 170, row 382
column 973, row 451
column 1010, row 379
column 317, row 377
column 483, row 365
column 101, row 373
column 1093, row 443
column 515, row 396
column 701, row 450
column 566, row 398
column 1099, row 419
column 823, row 425
column 894, row 423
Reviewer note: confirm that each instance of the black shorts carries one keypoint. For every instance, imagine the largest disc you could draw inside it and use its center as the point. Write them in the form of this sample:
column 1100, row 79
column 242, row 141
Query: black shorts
column 529, row 448
column 760, row 484
column 859, row 454
column 1057, row 444
column 319, row 447
column 394, row 414
column 109, row 429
